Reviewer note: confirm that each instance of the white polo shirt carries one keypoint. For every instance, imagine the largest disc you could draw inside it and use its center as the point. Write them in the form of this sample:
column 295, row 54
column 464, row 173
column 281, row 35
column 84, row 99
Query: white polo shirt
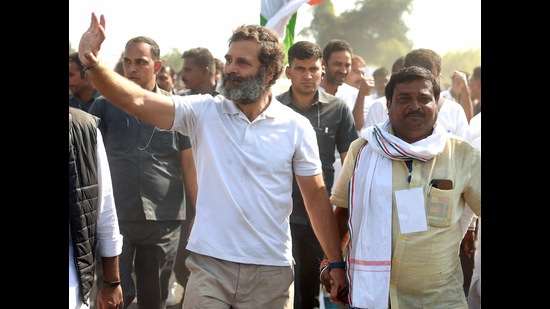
column 244, row 172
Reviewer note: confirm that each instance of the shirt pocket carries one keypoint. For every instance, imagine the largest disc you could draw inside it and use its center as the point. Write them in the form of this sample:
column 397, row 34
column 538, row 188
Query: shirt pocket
column 326, row 139
column 119, row 135
column 440, row 207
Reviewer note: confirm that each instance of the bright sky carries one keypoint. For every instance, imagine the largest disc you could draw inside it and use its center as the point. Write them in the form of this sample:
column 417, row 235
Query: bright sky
column 441, row 25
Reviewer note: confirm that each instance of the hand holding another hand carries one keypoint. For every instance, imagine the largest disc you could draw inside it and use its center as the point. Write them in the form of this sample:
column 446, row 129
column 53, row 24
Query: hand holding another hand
column 335, row 283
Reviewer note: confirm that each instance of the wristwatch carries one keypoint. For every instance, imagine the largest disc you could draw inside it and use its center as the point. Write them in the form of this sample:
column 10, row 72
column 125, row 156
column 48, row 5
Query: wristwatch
column 333, row 265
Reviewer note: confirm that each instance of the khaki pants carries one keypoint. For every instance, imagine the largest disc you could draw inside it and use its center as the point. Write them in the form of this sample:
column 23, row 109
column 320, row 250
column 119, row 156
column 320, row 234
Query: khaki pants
column 217, row 284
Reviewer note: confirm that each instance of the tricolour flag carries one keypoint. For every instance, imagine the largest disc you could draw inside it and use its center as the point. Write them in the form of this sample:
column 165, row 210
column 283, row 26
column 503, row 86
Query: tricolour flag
column 280, row 16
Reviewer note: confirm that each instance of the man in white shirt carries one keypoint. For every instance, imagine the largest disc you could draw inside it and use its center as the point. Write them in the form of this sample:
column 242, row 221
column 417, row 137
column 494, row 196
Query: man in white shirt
column 247, row 148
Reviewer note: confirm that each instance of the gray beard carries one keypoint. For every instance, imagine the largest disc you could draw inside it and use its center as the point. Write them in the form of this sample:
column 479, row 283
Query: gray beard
column 248, row 91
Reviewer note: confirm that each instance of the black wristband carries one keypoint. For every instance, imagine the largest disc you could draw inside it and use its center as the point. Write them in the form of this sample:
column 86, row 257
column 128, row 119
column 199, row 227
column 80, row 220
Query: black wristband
column 333, row 265
column 111, row 284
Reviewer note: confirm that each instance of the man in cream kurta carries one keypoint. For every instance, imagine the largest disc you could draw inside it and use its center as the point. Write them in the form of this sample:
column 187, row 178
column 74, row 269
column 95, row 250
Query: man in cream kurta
column 388, row 171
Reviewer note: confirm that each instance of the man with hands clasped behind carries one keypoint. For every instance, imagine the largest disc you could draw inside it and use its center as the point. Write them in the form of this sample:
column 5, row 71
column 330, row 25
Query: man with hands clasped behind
column 241, row 251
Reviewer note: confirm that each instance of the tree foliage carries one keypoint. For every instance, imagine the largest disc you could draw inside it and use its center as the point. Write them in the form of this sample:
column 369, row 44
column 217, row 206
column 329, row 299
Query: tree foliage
column 374, row 28
column 173, row 58
column 377, row 32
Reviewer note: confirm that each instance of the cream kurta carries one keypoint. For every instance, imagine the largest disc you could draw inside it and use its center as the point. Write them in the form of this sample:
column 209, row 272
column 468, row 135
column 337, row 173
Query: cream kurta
column 426, row 271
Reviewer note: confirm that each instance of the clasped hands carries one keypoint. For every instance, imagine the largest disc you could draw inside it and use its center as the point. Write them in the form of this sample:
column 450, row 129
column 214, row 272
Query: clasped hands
column 335, row 283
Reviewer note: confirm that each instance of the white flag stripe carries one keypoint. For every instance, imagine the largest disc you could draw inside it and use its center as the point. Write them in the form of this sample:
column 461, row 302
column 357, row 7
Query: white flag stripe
column 278, row 13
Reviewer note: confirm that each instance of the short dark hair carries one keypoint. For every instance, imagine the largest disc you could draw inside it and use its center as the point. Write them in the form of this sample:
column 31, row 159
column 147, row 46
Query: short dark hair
column 423, row 57
column 408, row 74
column 304, row 50
column 155, row 49
column 74, row 58
column 336, row 45
column 202, row 56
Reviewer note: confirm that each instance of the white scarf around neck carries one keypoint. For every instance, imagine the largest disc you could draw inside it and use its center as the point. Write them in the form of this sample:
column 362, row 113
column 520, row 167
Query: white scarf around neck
column 370, row 202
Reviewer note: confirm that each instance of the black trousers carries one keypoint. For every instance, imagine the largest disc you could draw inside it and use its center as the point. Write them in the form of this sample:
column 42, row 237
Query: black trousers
column 307, row 252
column 148, row 253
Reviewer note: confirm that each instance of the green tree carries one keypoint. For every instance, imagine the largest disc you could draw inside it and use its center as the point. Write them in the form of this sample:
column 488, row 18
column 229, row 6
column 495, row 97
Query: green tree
column 377, row 32
column 173, row 58
column 374, row 28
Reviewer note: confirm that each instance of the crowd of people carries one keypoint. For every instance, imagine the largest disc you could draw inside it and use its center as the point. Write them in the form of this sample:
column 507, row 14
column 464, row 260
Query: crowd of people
column 205, row 178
